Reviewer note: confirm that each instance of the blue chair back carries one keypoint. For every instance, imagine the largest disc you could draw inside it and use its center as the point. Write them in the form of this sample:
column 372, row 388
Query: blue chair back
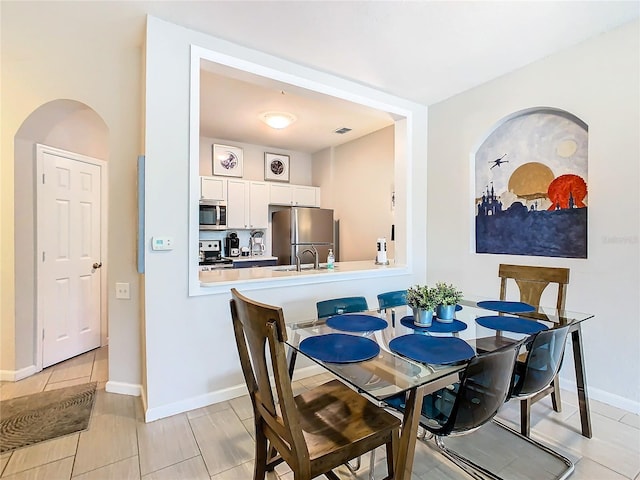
column 335, row 306
column 392, row 299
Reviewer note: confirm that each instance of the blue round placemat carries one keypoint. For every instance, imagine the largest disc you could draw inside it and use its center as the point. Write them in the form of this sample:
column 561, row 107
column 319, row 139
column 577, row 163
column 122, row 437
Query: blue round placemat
column 356, row 322
column 339, row 348
column 505, row 306
column 436, row 327
column 511, row 324
column 436, row 350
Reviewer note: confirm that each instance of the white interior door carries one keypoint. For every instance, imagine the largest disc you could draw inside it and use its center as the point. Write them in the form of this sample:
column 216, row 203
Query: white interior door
column 69, row 245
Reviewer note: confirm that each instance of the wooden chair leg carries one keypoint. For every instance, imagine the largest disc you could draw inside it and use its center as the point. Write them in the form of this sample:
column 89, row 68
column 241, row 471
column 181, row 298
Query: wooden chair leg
column 525, row 416
column 260, row 466
column 555, row 395
column 392, row 456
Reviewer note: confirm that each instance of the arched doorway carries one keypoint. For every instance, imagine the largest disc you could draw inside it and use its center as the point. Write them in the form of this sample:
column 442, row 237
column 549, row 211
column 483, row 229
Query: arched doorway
column 71, row 126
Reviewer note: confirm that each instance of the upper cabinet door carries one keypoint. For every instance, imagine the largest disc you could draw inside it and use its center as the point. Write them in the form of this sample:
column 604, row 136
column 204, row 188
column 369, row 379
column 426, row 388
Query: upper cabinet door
column 280, row 194
column 305, row 196
column 237, row 192
column 213, row 188
column 258, row 205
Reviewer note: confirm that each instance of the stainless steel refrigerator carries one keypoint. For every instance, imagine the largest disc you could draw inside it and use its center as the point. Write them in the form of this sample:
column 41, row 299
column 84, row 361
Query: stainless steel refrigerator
column 296, row 229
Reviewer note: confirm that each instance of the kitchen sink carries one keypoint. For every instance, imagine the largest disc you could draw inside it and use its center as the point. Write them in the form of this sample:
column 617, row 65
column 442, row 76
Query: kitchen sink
column 292, row 268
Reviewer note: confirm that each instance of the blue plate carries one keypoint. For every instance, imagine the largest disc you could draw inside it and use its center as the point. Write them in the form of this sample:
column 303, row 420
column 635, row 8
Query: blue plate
column 511, row 324
column 436, row 327
column 435, row 350
column 354, row 322
column 339, row 348
column 507, row 307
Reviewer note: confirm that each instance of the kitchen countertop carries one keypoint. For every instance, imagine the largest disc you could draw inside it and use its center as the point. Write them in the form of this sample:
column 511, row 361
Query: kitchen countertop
column 218, row 278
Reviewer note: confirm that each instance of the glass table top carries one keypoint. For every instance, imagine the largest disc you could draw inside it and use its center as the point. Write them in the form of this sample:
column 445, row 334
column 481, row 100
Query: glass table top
column 389, row 373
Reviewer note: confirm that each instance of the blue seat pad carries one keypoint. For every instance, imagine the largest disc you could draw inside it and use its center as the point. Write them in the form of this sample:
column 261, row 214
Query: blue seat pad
column 357, row 322
column 511, row 324
column 339, row 348
column 435, row 350
column 436, row 327
column 506, row 307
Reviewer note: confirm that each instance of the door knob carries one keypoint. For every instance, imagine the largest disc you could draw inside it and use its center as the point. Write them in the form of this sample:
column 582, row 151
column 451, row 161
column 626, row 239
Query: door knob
column 97, row 265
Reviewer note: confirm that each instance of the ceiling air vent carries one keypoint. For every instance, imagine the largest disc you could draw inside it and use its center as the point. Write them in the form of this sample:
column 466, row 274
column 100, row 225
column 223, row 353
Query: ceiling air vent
column 343, row 130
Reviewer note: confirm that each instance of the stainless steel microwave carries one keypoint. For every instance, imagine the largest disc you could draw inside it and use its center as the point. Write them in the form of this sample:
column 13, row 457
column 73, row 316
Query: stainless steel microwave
column 213, row 215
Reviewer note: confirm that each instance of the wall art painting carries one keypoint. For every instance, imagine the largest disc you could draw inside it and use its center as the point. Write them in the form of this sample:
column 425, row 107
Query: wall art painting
column 531, row 186
column 227, row 160
column 276, row 167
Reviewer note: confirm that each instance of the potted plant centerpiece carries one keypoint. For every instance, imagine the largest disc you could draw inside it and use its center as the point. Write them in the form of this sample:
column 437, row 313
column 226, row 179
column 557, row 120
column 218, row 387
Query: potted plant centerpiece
column 423, row 300
column 448, row 297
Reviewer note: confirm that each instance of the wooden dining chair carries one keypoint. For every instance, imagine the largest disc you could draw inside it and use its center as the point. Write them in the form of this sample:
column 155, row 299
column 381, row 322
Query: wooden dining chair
column 336, row 306
column 315, row 431
column 532, row 281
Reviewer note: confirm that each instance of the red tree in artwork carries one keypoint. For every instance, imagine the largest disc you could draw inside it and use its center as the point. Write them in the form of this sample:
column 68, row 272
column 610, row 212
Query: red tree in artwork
column 564, row 188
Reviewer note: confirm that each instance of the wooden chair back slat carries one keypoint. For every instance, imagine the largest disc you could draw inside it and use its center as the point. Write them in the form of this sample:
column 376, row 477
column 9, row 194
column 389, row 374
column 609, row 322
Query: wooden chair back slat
column 532, row 281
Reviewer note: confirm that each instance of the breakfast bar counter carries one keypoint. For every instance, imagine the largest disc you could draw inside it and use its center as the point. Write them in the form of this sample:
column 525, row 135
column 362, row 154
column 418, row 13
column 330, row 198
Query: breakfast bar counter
column 218, row 278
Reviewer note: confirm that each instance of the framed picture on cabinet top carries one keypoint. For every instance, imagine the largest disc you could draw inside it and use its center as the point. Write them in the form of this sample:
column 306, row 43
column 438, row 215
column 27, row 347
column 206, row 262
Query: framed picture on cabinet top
column 227, row 160
column 276, row 167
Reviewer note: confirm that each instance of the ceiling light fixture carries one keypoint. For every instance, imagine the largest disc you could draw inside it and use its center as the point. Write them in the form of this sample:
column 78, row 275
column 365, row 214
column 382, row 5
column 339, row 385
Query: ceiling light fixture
column 278, row 120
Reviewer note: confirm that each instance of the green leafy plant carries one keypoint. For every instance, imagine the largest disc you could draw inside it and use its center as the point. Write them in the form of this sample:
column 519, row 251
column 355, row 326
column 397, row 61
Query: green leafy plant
column 447, row 294
column 422, row 297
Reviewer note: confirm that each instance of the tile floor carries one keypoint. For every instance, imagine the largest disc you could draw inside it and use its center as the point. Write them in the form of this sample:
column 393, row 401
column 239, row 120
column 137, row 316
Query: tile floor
column 216, row 442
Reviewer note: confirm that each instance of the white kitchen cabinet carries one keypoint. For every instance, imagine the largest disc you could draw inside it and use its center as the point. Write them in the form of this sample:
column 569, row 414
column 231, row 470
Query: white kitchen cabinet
column 213, row 188
column 247, row 204
column 306, row 196
column 294, row 195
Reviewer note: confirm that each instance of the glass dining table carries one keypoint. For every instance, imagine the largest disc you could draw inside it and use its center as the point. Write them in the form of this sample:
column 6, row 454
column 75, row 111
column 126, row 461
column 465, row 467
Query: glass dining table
column 388, row 373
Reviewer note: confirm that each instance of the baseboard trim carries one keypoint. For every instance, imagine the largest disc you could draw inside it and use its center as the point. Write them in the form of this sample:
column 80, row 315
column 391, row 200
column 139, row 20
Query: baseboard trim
column 122, row 388
column 15, row 375
column 603, row 396
column 156, row 413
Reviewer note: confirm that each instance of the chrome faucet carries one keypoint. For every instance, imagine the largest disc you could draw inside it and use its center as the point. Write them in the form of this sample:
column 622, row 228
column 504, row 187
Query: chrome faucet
column 312, row 251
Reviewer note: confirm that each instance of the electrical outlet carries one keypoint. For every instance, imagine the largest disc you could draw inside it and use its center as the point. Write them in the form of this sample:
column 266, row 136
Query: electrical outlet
column 122, row 291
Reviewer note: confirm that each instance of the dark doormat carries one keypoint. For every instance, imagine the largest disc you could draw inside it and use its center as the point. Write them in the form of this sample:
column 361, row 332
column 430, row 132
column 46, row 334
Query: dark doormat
column 46, row 415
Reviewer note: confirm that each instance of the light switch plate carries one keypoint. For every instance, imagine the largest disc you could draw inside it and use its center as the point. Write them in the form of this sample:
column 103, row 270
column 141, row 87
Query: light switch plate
column 162, row 243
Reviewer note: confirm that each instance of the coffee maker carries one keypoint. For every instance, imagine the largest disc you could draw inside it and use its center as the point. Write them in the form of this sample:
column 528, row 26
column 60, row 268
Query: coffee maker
column 256, row 243
column 232, row 245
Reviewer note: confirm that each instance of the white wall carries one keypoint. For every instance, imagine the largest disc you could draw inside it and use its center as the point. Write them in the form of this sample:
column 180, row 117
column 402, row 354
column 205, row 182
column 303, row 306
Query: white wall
column 357, row 180
column 598, row 81
column 191, row 356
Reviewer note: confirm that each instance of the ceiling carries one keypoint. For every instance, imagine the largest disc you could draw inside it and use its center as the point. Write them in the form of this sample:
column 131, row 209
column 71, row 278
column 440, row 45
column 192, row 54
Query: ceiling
column 423, row 51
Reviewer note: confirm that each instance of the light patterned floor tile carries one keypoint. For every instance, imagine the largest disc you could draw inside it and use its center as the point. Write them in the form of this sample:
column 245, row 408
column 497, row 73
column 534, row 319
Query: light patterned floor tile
column 223, row 441
column 27, row 386
column 631, row 419
column 587, row 469
column 192, row 469
column 110, row 438
column 100, row 372
column 128, row 469
column 244, row 471
column 243, row 407
column 67, row 383
column 165, row 442
column 59, row 470
column 80, row 366
column 42, row 453
column 4, row 459
column 216, row 407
